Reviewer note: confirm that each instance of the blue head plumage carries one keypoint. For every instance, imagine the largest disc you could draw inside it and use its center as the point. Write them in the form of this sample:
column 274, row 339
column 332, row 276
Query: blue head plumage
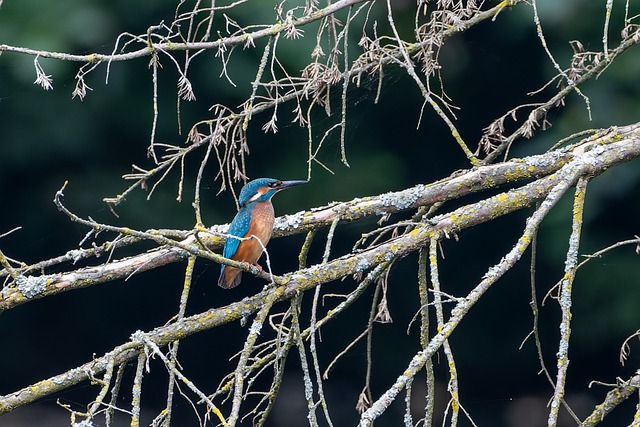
column 263, row 189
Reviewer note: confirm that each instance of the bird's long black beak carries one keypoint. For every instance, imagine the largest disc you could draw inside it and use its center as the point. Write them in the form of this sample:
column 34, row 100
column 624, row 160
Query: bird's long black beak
column 287, row 184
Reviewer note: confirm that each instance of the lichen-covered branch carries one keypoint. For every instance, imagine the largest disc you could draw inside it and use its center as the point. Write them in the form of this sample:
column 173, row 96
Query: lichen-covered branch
column 615, row 397
column 589, row 158
column 565, row 300
column 618, row 145
column 571, row 174
column 167, row 46
column 225, row 130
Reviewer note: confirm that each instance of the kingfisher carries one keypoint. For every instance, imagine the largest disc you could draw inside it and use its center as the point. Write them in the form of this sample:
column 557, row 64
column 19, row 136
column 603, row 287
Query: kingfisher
column 255, row 218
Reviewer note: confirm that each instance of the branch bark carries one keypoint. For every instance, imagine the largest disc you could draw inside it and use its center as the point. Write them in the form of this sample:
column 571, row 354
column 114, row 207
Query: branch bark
column 616, row 145
column 152, row 48
column 561, row 168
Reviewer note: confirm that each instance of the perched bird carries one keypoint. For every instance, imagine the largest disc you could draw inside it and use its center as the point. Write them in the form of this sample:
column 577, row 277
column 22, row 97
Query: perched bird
column 255, row 218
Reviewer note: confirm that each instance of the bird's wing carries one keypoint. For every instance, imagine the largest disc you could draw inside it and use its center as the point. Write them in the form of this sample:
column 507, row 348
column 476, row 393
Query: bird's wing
column 239, row 227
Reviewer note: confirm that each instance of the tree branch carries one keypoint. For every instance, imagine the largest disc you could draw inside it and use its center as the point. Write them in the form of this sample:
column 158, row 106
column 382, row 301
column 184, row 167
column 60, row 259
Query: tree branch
column 618, row 145
column 153, row 48
column 590, row 157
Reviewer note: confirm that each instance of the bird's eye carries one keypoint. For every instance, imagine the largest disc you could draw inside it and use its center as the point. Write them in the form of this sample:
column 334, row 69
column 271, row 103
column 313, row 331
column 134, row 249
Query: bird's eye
column 275, row 184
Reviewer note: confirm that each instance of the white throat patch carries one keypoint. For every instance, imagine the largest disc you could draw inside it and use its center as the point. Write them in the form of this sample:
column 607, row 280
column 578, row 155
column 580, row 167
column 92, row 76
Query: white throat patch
column 261, row 192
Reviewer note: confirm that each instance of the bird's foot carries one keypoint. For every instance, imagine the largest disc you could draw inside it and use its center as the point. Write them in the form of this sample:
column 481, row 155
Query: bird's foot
column 256, row 265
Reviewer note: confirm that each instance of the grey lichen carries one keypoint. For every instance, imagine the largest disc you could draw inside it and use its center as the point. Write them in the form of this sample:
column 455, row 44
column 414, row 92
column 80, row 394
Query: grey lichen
column 138, row 337
column 492, row 273
column 219, row 229
column 402, row 199
column 31, row 286
column 388, row 256
column 290, row 221
column 362, row 263
column 256, row 327
column 593, row 156
column 57, row 380
column 544, row 160
column 75, row 255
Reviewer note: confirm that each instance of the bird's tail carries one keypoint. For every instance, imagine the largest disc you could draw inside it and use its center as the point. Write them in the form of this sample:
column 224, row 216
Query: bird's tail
column 230, row 277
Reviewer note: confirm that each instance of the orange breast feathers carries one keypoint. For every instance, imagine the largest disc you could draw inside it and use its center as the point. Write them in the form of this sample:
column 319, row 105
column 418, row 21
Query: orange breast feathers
column 261, row 226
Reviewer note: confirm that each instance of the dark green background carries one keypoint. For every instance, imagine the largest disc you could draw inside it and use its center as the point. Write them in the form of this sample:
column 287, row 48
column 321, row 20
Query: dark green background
column 46, row 138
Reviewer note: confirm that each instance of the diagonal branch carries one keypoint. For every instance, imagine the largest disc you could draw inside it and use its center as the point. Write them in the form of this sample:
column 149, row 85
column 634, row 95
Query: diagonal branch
column 591, row 158
column 153, row 48
column 604, row 151
column 570, row 174
column 615, row 397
